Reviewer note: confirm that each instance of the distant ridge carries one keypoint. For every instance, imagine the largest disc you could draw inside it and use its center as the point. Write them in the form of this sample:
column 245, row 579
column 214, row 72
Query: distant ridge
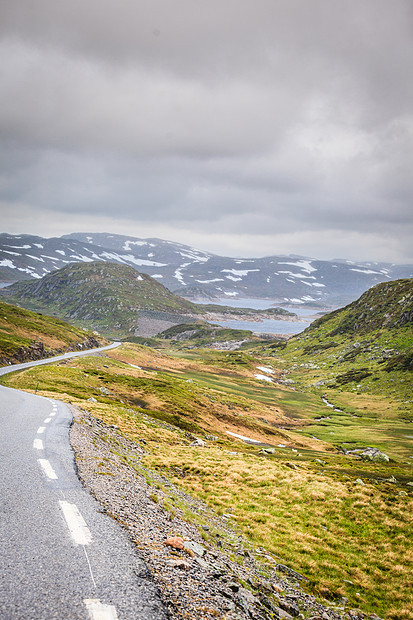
column 200, row 275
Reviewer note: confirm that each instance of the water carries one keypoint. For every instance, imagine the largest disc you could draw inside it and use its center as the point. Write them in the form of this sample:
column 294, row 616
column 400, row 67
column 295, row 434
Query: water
column 268, row 326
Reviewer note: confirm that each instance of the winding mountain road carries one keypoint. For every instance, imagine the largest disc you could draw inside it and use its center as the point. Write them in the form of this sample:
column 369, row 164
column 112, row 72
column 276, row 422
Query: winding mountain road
column 61, row 557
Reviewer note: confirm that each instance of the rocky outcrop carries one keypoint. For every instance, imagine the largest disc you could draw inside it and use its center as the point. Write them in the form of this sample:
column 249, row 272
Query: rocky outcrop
column 37, row 351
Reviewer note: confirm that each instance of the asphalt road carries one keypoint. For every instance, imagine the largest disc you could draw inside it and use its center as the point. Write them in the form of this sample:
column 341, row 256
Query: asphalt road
column 60, row 557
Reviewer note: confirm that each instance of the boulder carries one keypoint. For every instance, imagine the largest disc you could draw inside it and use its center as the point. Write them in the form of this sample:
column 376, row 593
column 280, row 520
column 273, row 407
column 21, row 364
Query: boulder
column 198, row 443
column 373, row 454
column 176, row 542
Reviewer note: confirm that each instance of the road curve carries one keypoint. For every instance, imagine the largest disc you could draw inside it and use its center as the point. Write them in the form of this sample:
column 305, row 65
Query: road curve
column 61, row 557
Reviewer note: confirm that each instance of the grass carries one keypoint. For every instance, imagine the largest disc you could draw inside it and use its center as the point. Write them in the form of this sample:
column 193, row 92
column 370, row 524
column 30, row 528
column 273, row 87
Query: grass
column 312, row 517
column 20, row 328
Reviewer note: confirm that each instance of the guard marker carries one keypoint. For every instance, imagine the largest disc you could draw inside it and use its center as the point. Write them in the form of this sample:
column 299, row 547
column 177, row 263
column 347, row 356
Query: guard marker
column 78, row 529
column 99, row 611
column 47, row 468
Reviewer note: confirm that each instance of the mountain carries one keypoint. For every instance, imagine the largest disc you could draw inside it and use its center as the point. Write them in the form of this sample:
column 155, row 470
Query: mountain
column 112, row 298
column 198, row 275
column 26, row 335
column 365, row 348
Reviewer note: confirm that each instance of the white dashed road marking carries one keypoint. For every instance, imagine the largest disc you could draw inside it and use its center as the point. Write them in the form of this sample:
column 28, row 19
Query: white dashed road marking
column 53, row 414
column 99, row 611
column 47, row 468
column 38, row 444
column 78, row 529
column 47, row 420
column 40, row 430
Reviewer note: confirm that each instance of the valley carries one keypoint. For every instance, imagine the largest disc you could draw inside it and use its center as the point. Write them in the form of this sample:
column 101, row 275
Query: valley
column 304, row 493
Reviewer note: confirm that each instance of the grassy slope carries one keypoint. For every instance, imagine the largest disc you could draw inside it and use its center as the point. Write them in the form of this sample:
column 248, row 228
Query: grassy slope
column 20, row 328
column 104, row 296
column 313, row 517
column 359, row 358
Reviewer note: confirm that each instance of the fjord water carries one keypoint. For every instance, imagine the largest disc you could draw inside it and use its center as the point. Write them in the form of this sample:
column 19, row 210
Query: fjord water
column 267, row 326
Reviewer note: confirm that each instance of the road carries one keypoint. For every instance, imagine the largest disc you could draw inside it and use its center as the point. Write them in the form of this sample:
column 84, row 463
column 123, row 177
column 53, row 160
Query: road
column 61, row 557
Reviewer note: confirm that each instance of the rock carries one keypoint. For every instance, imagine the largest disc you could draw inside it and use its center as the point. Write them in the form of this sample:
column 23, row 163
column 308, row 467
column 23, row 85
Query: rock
column 392, row 479
column 291, row 465
column 267, row 451
column 176, row 542
column 282, row 613
column 359, row 481
column 319, row 462
column 195, row 548
column 92, row 400
column 409, row 484
column 104, row 390
column 372, row 454
column 201, row 562
column 403, row 493
column 198, row 443
column 291, row 608
column 289, row 571
column 182, row 564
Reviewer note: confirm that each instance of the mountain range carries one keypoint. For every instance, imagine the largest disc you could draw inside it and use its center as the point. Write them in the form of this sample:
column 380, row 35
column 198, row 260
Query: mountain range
column 200, row 275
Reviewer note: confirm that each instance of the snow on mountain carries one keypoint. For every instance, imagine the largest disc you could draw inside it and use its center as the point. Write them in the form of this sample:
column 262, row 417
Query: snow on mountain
column 197, row 274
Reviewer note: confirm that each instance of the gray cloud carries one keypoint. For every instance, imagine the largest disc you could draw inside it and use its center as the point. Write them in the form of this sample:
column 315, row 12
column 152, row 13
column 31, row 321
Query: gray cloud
column 242, row 125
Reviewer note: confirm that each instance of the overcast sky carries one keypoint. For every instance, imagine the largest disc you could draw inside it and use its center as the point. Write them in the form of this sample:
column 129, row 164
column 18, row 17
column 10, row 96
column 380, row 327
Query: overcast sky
column 241, row 127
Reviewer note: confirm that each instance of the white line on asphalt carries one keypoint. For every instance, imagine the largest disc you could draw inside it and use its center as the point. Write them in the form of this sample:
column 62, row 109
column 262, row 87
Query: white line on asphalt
column 38, row 444
column 99, row 611
column 76, row 524
column 40, row 430
column 52, row 414
column 47, row 420
column 47, row 468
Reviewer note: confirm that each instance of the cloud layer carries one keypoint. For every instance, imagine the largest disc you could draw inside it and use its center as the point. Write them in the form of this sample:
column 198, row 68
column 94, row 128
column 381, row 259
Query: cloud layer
column 245, row 128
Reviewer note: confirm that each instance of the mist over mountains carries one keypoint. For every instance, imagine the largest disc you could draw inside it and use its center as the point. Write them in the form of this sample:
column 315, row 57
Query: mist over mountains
column 197, row 274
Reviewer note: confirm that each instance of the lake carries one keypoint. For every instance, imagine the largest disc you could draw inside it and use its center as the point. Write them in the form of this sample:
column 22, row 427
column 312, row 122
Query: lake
column 268, row 326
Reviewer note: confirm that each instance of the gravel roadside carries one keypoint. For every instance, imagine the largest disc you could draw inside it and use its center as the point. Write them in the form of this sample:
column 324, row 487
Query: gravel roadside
column 206, row 570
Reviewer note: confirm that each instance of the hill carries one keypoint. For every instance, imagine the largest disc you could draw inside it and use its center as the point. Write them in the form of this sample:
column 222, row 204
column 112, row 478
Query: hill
column 360, row 360
column 112, row 298
column 196, row 274
column 26, row 335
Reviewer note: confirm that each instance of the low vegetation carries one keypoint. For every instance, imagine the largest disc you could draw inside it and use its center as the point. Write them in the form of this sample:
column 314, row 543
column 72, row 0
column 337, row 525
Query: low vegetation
column 28, row 335
column 302, row 491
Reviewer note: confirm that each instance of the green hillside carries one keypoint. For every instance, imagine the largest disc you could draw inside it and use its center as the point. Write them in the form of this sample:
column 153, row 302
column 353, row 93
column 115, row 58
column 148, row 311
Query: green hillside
column 25, row 335
column 363, row 347
column 105, row 296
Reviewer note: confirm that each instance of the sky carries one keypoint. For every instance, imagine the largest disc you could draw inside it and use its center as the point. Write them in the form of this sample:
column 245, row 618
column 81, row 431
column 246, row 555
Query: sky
column 241, row 127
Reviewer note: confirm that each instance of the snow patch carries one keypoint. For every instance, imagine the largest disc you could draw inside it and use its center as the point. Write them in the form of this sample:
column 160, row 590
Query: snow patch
column 366, row 271
column 248, row 439
column 7, row 263
column 209, row 281
column 263, row 378
column 238, row 272
column 266, row 369
column 127, row 244
column 305, row 265
column 61, row 252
